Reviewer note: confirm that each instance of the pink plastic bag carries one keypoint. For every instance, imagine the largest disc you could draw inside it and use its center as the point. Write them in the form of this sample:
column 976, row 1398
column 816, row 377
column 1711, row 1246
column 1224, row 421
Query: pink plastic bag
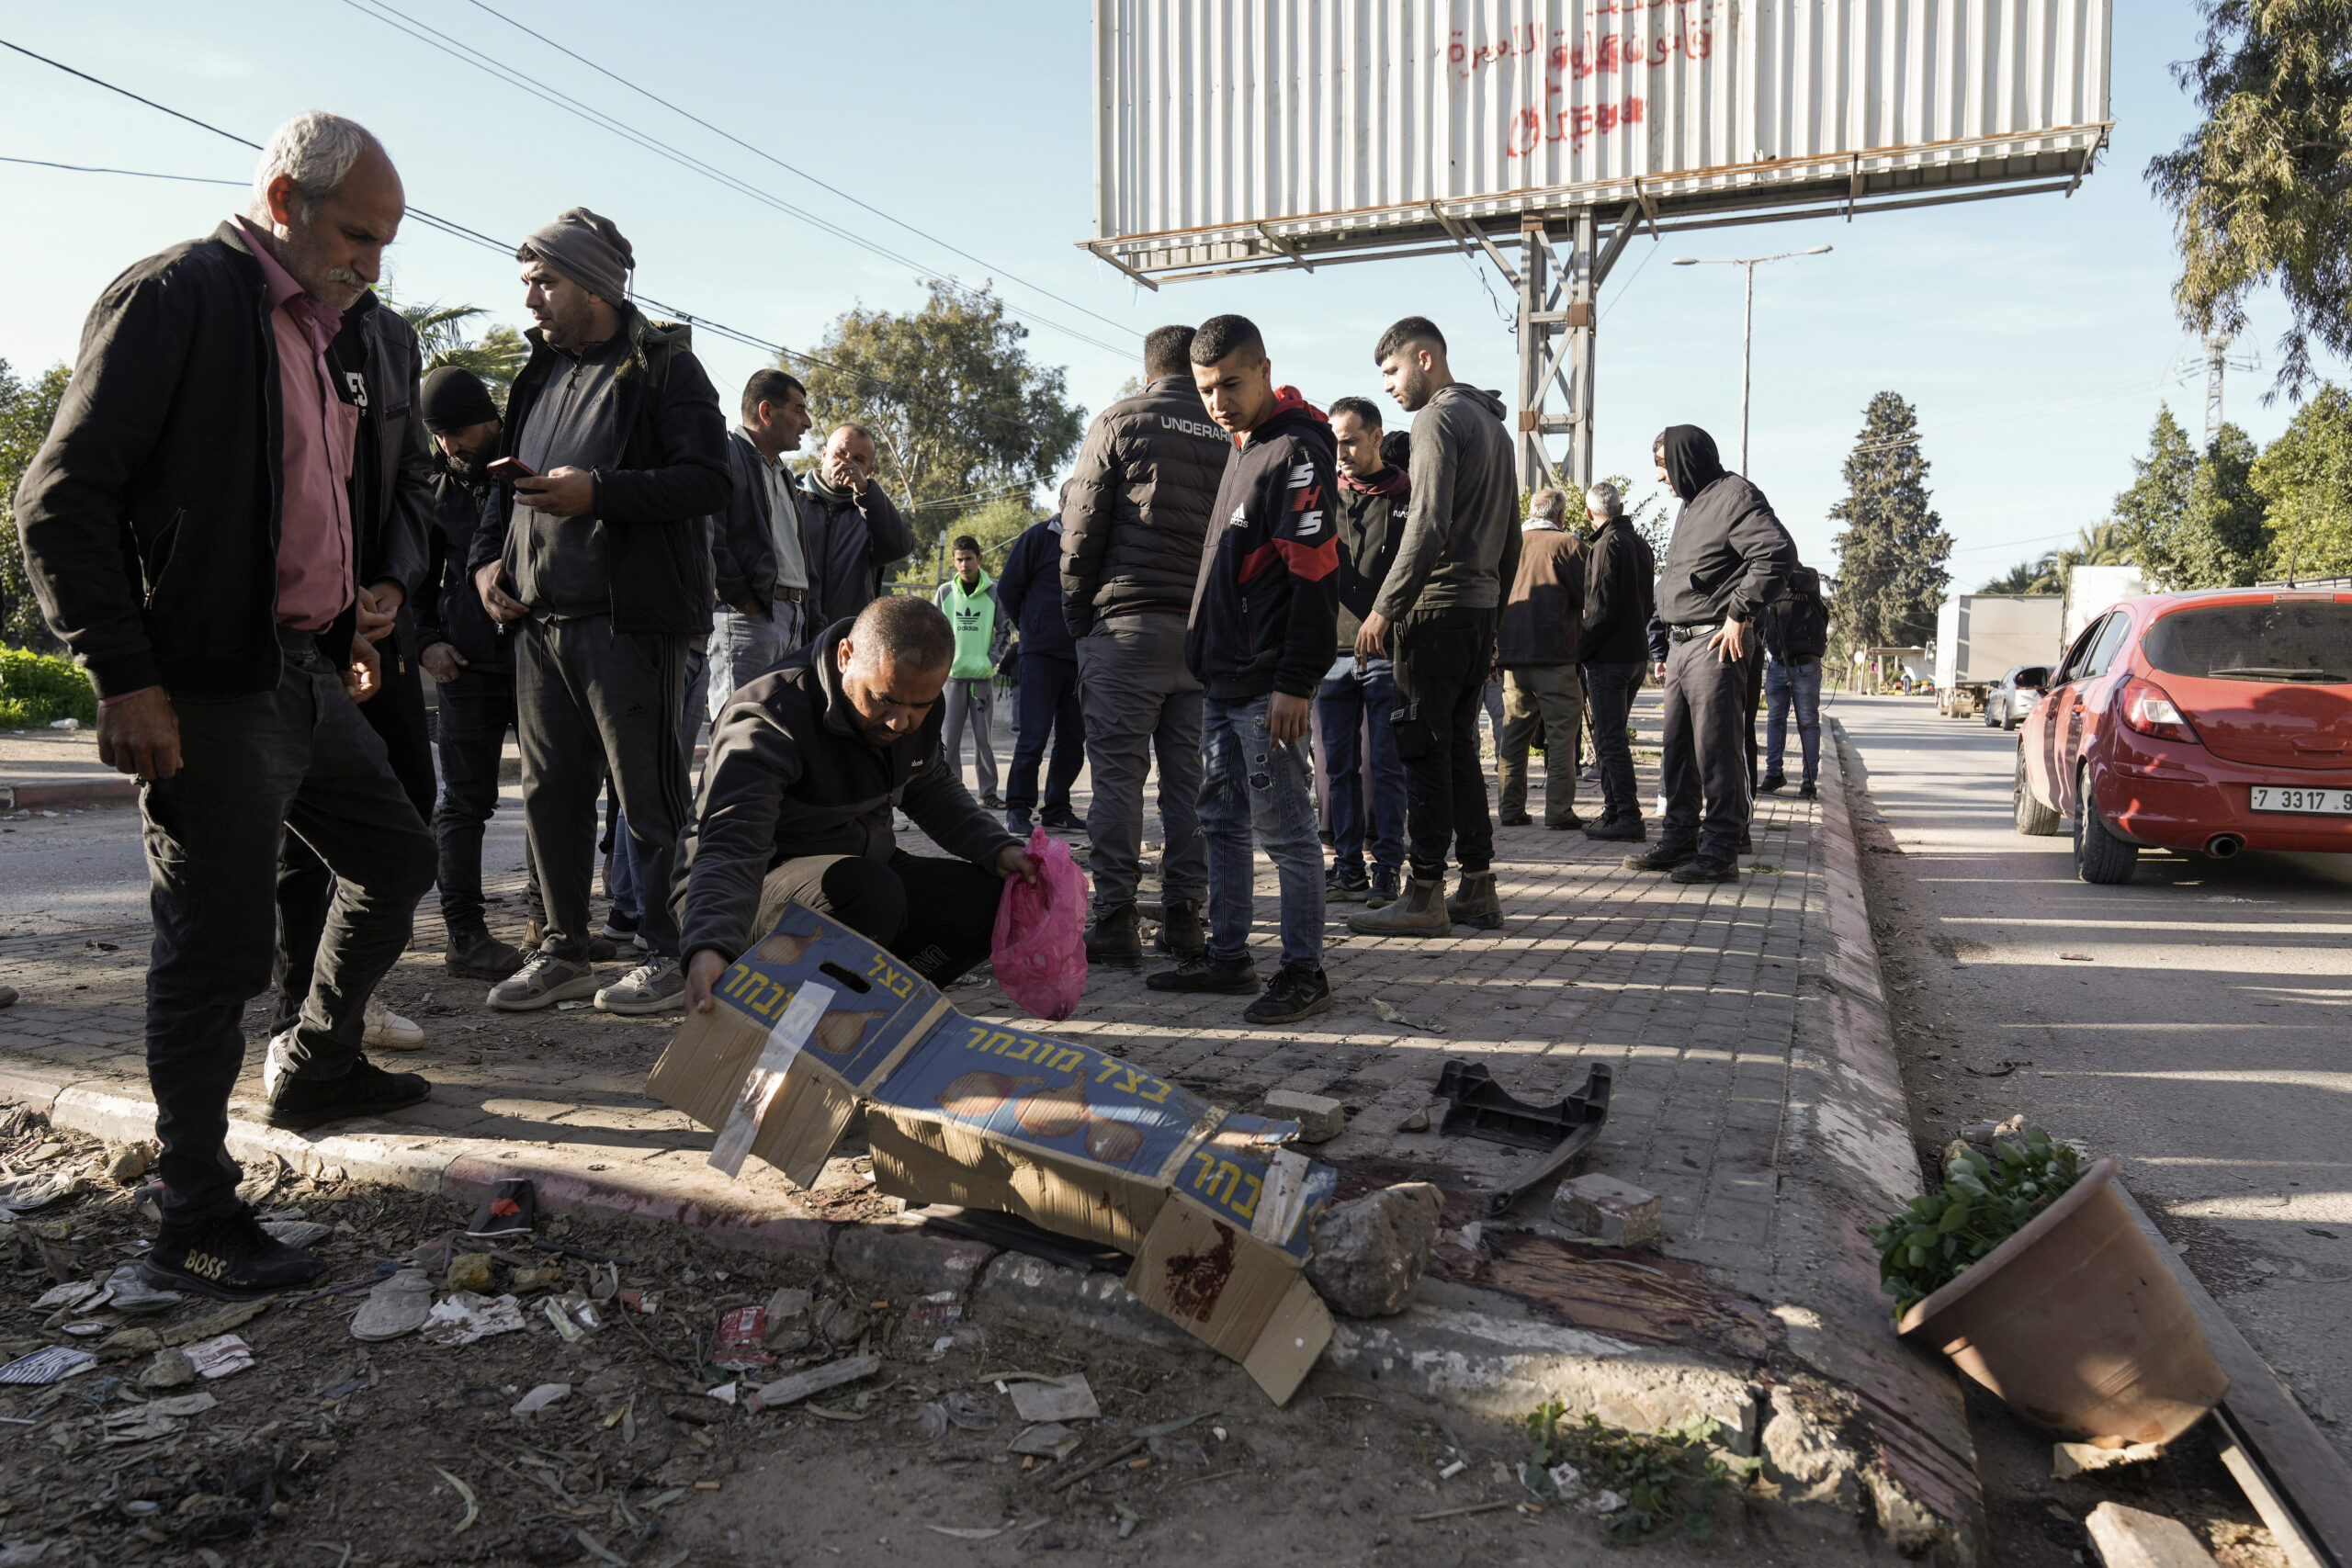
column 1039, row 952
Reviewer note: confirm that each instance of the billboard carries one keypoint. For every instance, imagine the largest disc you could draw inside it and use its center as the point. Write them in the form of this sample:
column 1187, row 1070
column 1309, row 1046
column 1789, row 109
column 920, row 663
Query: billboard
column 1250, row 134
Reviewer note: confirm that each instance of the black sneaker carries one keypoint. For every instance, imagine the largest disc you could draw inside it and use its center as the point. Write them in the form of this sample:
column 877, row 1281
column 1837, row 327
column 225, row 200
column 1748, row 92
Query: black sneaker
column 1017, row 823
column 1707, row 868
column 365, row 1090
column 1563, row 823
column 1232, row 977
column 1772, row 783
column 1062, row 819
column 1627, row 829
column 1346, row 885
column 478, row 956
column 1516, row 819
column 1747, row 844
column 227, row 1256
column 1181, row 935
column 1293, row 993
column 1383, row 890
column 1666, row 857
column 1808, row 791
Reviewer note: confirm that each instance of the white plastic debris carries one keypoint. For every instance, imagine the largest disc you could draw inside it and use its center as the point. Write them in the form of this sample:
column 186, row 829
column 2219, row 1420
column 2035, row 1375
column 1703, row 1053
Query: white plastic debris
column 539, row 1398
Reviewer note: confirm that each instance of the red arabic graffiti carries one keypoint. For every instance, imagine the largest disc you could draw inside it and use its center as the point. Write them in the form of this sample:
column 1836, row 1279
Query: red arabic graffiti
column 1691, row 33
column 1531, row 129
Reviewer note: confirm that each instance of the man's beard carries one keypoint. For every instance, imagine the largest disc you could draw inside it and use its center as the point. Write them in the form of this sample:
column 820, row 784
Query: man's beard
column 338, row 287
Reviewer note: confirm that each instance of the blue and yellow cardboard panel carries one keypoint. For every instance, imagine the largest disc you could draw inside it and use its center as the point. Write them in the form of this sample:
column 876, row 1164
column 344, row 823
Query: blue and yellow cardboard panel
column 1217, row 1210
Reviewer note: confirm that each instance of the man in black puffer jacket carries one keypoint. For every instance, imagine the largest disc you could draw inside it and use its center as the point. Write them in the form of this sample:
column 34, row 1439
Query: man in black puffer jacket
column 601, row 575
column 1132, row 528
column 1723, row 564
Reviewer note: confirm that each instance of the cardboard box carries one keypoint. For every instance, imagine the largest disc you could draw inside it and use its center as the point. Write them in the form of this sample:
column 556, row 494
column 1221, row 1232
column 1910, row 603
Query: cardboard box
column 815, row 1021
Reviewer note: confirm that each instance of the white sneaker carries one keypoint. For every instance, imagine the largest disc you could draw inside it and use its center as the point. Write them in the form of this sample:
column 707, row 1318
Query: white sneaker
column 388, row 1030
column 273, row 1063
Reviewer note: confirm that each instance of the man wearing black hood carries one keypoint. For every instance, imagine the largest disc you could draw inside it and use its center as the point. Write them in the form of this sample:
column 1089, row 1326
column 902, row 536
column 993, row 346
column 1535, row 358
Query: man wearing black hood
column 1724, row 565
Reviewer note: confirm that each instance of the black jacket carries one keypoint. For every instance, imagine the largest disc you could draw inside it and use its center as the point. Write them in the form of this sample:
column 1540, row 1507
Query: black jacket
column 789, row 775
column 851, row 539
column 450, row 610
column 1620, row 589
column 1030, row 593
column 1728, row 552
column 149, row 516
column 1267, row 601
column 742, row 538
column 654, row 510
column 1138, row 504
column 1371, row 525
column 1796, row 625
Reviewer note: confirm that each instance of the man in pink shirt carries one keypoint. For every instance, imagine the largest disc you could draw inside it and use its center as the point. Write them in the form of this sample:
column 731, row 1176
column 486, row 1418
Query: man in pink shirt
column 209, row 527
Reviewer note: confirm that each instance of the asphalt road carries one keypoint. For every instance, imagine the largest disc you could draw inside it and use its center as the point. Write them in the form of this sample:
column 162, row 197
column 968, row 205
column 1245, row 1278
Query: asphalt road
column 2202, row 1036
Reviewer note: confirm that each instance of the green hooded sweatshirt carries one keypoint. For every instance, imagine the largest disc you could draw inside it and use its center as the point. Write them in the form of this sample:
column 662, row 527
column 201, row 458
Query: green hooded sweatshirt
column 973, row 616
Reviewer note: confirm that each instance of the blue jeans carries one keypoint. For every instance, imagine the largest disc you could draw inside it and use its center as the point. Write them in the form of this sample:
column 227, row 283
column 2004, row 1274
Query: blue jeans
column 1785, row 684
column 744, row 647
column 1344, row 705
column 1247, row 782
column 1046, row 702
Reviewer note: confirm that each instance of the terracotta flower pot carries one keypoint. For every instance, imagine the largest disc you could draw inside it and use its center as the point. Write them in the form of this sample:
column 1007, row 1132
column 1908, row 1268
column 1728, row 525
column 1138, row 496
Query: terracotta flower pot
column 2078, row 1325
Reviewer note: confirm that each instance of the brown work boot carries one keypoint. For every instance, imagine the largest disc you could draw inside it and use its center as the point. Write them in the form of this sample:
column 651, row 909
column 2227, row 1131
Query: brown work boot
column 1476, row 902
column 1420, row 911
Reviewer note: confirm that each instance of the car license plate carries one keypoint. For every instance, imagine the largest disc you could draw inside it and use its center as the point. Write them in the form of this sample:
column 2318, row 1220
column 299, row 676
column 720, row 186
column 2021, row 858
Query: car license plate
column 2309, row 802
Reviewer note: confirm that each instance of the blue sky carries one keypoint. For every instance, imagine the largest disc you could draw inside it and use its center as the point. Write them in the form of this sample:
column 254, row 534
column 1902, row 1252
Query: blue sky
column 2035, row 336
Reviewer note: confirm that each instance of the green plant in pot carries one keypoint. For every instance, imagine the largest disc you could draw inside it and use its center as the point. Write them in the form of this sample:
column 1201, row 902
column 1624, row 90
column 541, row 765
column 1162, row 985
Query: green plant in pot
column 2028, row 1271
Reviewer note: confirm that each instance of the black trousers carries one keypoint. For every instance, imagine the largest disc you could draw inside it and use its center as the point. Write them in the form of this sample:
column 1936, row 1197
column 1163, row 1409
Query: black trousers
column 1609, row 696
column 305, row 885
column 589, row 700
column 1705, row 757
column 295, row 764
column 477, row 710
column 1048, row 702
column 939, row 915
column 1442, row 658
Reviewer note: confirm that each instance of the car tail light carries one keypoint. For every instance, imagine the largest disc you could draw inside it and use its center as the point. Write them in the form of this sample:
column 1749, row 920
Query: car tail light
column 2147, row 711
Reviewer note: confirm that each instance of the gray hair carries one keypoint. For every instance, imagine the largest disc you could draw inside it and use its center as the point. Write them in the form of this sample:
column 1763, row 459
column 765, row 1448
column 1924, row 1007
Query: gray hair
column 1548, row 504
column 1603, row 498
column 315, row 150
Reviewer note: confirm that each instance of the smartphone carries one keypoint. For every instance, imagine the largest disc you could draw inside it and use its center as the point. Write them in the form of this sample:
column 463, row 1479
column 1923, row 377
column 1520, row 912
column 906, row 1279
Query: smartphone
column 506, row 470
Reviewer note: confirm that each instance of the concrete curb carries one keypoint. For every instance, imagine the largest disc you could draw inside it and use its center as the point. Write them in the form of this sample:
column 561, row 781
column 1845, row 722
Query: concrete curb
column 68, row 795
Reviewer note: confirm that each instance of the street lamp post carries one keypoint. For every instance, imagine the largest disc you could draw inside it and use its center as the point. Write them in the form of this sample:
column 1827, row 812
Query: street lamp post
column 1747, row 328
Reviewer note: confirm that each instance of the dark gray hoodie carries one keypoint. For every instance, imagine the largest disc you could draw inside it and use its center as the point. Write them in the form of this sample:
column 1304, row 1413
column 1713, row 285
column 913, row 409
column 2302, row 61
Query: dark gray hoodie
column 1461, row 542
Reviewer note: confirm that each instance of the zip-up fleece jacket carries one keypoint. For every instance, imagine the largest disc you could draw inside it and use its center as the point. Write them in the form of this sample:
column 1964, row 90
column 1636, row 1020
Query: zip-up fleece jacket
column 450, row 610
column 1727, row 557
column 981, row 626
column 652, row 512
column 1372, row 524
column 149, row 516
column 1461, row 544
column 1266, row 606
column 1139, row 504
column 790, row 775
column 1620, row 588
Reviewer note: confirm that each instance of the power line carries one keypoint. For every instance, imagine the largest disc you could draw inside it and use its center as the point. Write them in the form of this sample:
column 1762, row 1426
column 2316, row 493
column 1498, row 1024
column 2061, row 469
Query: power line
column 135, row 173
column 432, row 38
column 506, row 248
column 763, row 153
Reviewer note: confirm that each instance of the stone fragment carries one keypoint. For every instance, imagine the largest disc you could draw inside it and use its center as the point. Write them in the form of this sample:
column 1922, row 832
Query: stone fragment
column 2068, row 1460
column 171, row 1368
column 1614, row 1211
column 1418, row 1122
column 1807, row 1461
column 545, row 1279
column 127, row 1162
column 470, row 1272
column 1370, row 1251
column 1319, row 1120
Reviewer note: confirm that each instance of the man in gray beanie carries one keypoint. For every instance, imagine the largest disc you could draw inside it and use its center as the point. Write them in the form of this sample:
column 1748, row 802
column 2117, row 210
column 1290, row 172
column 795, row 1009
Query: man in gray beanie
column 594, row 560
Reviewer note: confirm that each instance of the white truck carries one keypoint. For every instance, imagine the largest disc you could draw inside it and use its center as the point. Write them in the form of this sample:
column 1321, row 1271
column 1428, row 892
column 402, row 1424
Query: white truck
column 1982, row 637
column 2091, row 591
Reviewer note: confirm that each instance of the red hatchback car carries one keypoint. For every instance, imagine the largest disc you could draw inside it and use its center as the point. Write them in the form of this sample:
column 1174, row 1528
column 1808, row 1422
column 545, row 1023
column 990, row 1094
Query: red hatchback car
column 2214, row 722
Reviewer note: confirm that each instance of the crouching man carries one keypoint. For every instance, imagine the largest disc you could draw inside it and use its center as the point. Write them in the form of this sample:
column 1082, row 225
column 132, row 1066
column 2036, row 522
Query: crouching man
column 805, row 767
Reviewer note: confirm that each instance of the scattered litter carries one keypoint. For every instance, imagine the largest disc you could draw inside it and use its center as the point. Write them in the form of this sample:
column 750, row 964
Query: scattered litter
column 511, row 1207
column 473, row 1508
column 396, row 1306
column 1451, row 1470
column 1177, row 1450
column 72, row 1293
column 127, row 1291
column 1128, row 1519
column 539, row 1398
column 1068, row 1399
column 1050, row 1439
column 172, row 1368
column 723, row 1393
column 972, row 1415
column 816, row 1380
column 220, row 1356
column 1386, row 1013
column 788, row 1302
column 23, row 1194
column 1605, row 1503
column 933, row 1416
column 560, row 1319
column 742, row 1340
column 644, row 1301
column 463, row 1318
column 128, row 1163
column 931, row 1321
column 2069, row 1460
column 982, row 1532
column 47, row 1366
column 68, row 723
column 470, row 1272
column 1163, row 1429
column 2075, row 957
column 298, row 1232
column 544, row 1279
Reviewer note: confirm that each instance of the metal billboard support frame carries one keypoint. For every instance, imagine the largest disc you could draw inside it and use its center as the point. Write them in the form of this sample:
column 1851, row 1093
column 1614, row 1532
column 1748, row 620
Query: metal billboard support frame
column 1558, row 336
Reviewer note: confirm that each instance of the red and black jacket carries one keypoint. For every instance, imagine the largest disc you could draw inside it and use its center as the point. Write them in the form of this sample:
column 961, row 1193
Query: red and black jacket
column 1265, row 607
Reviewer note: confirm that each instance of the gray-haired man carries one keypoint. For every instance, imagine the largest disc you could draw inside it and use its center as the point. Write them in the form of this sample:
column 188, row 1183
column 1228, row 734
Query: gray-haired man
column 1536, row 646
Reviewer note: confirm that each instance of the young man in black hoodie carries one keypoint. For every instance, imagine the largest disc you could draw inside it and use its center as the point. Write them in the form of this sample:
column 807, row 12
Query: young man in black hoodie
column 1723, row 567
column 1612, row 646
column 1265, row 609
column 1359, row 695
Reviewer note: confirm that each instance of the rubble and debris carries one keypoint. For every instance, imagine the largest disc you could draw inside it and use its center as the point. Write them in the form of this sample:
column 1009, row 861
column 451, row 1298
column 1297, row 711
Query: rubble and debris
column 1370, row 1251
column 2134, row 1537
column 1319, row 1118
column 742, row 1340
column 48, row 1365
column 972, row 1414
column 1617, row 1211
column 221, row 1355
column 127, row 1290
column 125, row 1163
column 1066, row 1399
column 539, row 1398
column 2068, row 1460
column 511, row 1207
column 464, row 1317
column 397, row 1306
column 1048, row 1439
column 1176, row 1450
column 1418, row 1122
column 474, row 1272
column 816, row 1380
column 171, row 1368
column 1478, row 1108
column 25, row 1194
column 298, row 1232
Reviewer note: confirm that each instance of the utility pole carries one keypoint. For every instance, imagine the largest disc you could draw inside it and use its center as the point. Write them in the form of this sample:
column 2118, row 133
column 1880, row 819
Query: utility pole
column 1748, row 330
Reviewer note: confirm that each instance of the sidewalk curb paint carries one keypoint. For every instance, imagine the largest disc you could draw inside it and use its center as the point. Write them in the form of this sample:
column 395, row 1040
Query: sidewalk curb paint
column 68, row 794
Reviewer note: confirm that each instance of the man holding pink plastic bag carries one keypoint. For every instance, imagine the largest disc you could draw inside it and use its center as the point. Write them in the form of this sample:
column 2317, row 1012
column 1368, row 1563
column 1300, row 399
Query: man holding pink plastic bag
column 806, row 765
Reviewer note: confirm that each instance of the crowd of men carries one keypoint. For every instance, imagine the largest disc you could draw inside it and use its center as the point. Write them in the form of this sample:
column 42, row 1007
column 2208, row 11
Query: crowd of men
column 258, row 526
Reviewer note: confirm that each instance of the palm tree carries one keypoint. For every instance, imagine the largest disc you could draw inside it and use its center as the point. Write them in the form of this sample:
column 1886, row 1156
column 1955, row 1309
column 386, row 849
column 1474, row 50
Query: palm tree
column 497, row 357
column 2100, row 544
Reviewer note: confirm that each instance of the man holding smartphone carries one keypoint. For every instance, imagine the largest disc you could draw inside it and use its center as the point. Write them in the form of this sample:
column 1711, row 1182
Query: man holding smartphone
column 599, row 570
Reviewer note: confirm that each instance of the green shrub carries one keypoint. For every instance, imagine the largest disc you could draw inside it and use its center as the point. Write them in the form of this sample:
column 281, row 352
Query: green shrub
column 36, row 688
column 1981, row 1203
